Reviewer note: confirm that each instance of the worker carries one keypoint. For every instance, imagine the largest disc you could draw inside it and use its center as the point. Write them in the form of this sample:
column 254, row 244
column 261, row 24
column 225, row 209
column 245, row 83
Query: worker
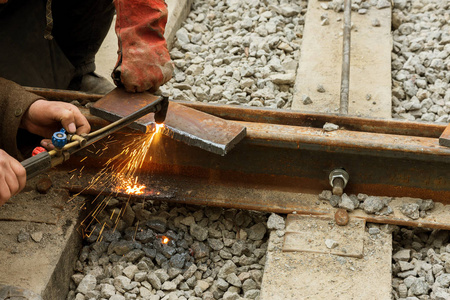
column 21, row 110
column 52, row 44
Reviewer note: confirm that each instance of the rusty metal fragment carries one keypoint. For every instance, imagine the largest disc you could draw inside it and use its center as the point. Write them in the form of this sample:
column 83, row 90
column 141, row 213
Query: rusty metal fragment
column 182, row 123
column 444, row 139
column 341, row 217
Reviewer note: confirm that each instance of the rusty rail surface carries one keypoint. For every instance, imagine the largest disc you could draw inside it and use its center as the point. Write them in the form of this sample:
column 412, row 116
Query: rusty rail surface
column 299, row 158
column 289, row 152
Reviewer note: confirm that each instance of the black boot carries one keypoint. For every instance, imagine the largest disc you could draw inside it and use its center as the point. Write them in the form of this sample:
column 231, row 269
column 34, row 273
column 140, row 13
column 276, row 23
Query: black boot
column 91, row 83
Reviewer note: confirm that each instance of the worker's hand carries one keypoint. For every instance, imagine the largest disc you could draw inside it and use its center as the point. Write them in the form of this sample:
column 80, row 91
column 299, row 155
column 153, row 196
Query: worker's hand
column 12, row 177
column 45, row 117
column 144, row 61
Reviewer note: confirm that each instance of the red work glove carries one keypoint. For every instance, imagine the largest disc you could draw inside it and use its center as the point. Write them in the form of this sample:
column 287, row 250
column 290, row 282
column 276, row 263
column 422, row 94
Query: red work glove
column 144, row 61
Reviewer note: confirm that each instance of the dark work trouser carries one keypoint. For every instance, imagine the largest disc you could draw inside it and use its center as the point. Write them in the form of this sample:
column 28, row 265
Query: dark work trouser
column 26, row 57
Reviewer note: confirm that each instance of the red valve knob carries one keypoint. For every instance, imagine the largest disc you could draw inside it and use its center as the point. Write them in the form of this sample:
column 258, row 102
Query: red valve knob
column 37, row 150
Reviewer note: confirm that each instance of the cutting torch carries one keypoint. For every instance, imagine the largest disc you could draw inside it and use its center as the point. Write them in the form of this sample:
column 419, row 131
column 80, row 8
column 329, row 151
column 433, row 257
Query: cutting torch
column 67, row 144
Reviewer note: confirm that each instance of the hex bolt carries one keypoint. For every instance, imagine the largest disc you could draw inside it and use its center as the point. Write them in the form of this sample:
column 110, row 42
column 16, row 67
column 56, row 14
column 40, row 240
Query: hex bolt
column 338, row 186
column 338, row 181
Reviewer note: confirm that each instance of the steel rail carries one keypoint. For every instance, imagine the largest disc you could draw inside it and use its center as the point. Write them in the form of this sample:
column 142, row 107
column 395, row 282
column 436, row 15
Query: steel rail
column 286, row 153
column 299, row 158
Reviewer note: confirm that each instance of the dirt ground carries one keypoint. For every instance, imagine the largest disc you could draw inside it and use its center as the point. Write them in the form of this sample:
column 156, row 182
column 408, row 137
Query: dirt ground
column 107, row 55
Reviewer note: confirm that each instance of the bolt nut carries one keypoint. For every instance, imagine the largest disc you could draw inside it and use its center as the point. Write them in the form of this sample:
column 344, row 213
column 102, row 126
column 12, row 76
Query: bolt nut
column 339, row 173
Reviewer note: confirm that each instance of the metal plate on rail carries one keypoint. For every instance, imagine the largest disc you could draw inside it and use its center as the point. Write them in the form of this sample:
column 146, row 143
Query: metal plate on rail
column 182, row 123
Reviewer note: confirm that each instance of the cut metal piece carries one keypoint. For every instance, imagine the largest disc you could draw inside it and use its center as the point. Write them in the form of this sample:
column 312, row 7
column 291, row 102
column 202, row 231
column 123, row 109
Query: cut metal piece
column 444, row 139
column 182, row 123
column 320, row 234
column 199, row 129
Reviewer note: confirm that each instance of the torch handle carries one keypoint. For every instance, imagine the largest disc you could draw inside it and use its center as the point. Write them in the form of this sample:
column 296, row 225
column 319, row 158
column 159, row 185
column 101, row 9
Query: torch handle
column 37, row 164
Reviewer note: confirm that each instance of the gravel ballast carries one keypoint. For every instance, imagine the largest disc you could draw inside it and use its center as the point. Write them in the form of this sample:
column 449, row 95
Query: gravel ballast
column 211, row 253
column 420, row 60
column 420, row 264
column 238, row 52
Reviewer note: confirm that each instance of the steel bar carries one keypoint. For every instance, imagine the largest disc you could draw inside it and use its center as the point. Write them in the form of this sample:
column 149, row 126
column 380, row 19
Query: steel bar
column 346, row 141
column 345, row 73
column 281, row 168
column 64, row 95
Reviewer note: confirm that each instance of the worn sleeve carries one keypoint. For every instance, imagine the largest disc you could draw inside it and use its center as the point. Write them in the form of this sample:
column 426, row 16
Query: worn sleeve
column 14, row 102
column 144, row 61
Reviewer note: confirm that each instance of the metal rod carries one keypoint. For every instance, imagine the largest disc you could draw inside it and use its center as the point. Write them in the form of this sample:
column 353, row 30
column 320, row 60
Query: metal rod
column 345, row 75
column 64, row 95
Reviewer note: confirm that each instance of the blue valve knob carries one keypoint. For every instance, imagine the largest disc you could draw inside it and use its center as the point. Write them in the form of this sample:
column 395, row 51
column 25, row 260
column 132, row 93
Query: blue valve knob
column 59, row 138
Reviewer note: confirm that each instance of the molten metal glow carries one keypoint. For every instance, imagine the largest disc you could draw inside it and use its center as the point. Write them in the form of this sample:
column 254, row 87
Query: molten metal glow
column 136, row 190
column 129, row 186
column 165, row 240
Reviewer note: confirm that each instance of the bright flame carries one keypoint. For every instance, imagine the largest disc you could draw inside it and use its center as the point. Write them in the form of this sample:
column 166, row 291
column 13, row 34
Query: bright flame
column 165, row 240
column 158, row 127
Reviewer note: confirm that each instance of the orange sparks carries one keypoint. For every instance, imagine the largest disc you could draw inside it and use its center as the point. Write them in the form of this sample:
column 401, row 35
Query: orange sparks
column 120, row 174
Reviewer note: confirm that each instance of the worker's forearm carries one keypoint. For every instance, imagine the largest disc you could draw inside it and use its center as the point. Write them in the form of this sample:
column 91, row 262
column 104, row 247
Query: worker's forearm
column 14, row 101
